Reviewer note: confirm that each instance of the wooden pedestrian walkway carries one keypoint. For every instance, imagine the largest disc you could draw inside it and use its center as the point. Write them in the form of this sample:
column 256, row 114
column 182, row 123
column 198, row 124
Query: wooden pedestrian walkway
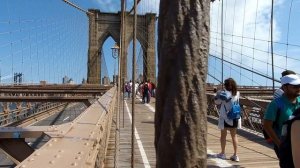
column 144, row 141
column 253, row 151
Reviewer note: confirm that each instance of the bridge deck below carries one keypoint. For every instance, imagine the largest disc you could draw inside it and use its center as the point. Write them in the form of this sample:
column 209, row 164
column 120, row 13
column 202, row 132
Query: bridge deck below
column 252, row 149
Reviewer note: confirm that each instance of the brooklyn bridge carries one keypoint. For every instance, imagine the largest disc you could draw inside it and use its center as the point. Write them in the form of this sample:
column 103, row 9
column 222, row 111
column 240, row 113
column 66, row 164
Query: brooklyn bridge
column 66, row 67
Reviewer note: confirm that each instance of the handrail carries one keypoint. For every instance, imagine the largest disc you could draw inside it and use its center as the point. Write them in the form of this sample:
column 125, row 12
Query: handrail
column 79, row 143
column 17, row 115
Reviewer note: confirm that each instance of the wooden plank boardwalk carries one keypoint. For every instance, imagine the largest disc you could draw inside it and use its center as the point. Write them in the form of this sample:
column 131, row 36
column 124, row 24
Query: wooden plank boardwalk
column 144, row 123
column 252, row 149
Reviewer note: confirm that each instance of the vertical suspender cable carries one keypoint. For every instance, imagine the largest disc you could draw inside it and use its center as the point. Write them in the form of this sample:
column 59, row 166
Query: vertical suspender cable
column 222, row 44
column 22, row 49
column 242, row 40
column 273, row 81
column 287, row 35
column 99, row 70
column 120, row 54
column 119, row 88
column 133, row 83
column 123, row 49
column 11, row 43
column 254, row 37
column 232, row 33
column 217, row 29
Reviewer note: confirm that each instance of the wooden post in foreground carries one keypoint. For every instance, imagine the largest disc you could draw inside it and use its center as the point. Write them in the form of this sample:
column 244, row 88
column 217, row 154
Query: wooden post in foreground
column 180, row 118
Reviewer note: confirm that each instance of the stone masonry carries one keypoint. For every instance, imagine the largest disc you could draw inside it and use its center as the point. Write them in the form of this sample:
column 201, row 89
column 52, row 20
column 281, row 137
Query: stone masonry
column 104, row 25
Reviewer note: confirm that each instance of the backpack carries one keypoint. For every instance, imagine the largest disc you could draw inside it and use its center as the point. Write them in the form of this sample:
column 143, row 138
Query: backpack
column 280, row 106
column 235, row 111
column 285, row 149
column 146, row 88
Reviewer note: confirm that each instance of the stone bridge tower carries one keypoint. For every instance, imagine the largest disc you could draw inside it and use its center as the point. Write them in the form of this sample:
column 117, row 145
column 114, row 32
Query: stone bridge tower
column 102, row 25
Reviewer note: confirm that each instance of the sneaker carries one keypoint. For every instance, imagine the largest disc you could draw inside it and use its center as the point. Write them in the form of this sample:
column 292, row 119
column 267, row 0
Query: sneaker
column 235, row 158
column 221, row 156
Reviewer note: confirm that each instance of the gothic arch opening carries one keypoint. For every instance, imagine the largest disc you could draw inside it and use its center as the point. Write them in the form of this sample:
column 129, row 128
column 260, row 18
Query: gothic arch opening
column 109, row 61
column 103, row 25
column 139, row 61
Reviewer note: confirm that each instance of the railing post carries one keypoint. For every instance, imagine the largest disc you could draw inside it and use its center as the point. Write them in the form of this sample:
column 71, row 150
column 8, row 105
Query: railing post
column 5, row 112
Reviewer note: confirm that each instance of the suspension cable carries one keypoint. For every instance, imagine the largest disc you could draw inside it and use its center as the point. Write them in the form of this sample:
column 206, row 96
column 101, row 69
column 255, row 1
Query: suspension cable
column 272, row 51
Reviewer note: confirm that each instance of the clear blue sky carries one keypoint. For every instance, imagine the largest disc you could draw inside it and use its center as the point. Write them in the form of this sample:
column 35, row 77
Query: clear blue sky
column 47, row 39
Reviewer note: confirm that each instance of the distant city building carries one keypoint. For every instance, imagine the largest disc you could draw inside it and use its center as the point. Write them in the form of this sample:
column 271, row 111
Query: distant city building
column 18, row 77
column 105, row 80
column 71, row 81
column 115, row 79
column 43, row 82
column 65, row 80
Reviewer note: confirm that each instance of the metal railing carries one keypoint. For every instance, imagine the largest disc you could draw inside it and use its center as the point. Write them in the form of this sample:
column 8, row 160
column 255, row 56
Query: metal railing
column 16, row 115
column 82, row 142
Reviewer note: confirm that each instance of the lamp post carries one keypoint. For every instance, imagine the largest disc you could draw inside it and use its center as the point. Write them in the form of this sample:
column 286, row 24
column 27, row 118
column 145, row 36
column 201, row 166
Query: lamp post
column 115, row 55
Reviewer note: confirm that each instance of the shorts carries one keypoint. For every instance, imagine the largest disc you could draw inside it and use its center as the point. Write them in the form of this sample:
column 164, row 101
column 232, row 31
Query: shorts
column 234, row 125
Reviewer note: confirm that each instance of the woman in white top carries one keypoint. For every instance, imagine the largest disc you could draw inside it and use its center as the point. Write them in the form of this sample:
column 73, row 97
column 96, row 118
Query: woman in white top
column 224, row 100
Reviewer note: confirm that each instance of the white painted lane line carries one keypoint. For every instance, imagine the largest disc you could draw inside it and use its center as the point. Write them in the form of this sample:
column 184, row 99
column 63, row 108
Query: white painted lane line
column 66, row 118
column 139, row 142
column 150, row 107
column 219, row 162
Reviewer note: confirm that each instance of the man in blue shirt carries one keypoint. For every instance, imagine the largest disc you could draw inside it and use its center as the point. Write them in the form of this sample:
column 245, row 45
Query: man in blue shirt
column 284, row 105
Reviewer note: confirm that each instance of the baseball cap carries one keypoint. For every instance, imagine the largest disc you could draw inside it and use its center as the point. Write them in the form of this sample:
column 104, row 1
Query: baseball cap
column 291, row 79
